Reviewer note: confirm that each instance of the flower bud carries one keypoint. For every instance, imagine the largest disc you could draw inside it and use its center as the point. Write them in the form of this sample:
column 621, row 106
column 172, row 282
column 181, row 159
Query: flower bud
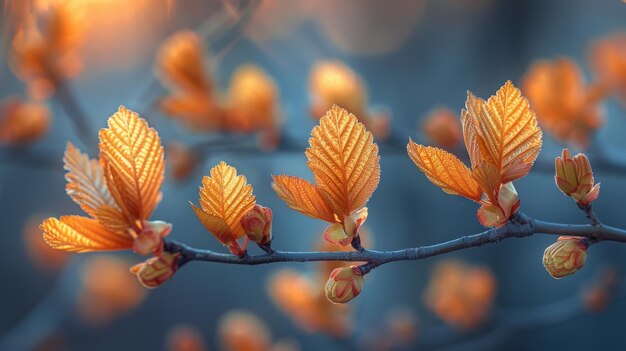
column 150, row 239
column 574, row 178
column 566, row 256
column 496, row 215
column 156, row 270
column 344, row 233
column 344, row 284
column 257, row 224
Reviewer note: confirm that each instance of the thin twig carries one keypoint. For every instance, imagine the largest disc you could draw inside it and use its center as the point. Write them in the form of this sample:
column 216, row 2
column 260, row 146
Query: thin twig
column 519, row 227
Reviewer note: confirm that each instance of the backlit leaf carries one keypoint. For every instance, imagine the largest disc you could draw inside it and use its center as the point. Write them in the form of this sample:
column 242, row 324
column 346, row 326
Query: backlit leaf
column 226, row 195
column 87, row 187
column 344, row 160
column 81, row 234
column 304, row 197
column 445, row 170
column 509, row 136
column 472, row 105
column 216, row 225
column 133, row 163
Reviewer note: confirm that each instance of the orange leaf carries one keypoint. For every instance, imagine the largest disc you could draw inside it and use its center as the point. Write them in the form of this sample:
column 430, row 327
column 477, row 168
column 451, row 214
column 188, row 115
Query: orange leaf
column 472, row 106
column 344, row 160
column 445, row 170
column 304, row 197
column 132, row 158
column 488, row 178
column 81, row 234
column 87, row 187
column 509, row 137
column 226, row 195
column 217, row 226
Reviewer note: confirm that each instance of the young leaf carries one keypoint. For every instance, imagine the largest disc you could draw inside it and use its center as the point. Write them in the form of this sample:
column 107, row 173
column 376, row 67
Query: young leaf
column 344, row 160
column 81, row 234
column 226, row 195
column 509, row 136
column 472, row 106
column 445, row 170
column 304, row 197
column 87, row 187
column 216, row 225
column 133, row 163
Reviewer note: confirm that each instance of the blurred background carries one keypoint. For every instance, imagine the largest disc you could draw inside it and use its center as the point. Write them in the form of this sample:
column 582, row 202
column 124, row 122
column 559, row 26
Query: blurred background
column 245, row 84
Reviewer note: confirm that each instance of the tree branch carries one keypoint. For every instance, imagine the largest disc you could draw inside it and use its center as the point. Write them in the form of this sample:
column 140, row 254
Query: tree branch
column 519, row 226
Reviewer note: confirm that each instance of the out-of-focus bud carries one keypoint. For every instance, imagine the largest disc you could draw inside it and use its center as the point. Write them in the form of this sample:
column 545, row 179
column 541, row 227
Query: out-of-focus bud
column 243, row 331
column 566, row 256
column 344, row 233
column 108, row 290
column 442, row 128
column 344, row 284
column 180, row 63
column 380, row 125
column 257, row 224
column 185, row 338
column 182, row 161
column 253, row 101
column 574, row 178
column 22, row 122
column 402, row 326
column 156, row 270
column 460, row 294
column 608, row 62
column 497, row 215
column 334, row 83
column 598, row 294
column 150, row 239
column 566, row 107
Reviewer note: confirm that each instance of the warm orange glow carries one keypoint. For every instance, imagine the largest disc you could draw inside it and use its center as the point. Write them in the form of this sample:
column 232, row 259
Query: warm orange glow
column 108, row 290
column 566, row 107
column 442, row 128
column 608, row 61
column 185, row 338
column 46, row 46
column 303, row 300
column 181, row 160
column 253, row 101
column 461, row 295
column 243, row 331
column 23, row 122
